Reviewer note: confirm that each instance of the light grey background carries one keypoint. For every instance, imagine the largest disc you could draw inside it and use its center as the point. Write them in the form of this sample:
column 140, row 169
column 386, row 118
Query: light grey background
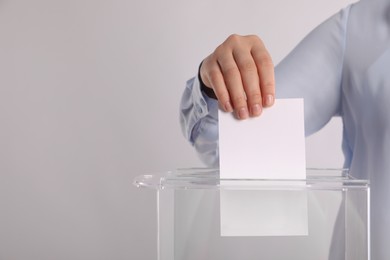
column 89, row 96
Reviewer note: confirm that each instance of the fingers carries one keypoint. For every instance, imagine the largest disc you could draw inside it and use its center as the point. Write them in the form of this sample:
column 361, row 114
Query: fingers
column 233, row 81
column 250, row 81
column 241, row 73
column 265, row 68
column 215, row 79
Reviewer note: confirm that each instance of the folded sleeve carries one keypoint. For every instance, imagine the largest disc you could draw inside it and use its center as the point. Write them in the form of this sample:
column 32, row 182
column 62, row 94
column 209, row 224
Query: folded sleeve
column 199, row 122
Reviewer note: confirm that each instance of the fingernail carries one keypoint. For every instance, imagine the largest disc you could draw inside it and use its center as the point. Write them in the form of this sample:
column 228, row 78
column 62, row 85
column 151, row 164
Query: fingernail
column 269, row 100
column 256, row 110
column 228, row 107
column 243, row 113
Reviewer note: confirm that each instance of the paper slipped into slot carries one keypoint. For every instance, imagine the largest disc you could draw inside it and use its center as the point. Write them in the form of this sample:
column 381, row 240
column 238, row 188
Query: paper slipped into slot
column 269, row 147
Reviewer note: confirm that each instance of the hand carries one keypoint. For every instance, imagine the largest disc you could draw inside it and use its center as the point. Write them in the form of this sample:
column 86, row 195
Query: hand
column 241, row 73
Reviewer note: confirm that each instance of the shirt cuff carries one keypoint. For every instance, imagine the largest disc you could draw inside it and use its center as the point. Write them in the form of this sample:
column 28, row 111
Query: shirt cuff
column 204, row 104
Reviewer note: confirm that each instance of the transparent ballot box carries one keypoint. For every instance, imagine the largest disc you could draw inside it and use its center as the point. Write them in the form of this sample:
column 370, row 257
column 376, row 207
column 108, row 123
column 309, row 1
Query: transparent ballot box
column 201, row 217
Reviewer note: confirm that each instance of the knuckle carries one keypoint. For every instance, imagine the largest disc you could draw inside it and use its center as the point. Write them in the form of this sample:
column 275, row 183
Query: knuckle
column 254, row 97
column 248, row 66
column 265, row 59
column 231, row 71
column 214, row 75
column 268, row 86
column 256, row 42
column 222, row 96
column 233, row 39
column 239, row 100
column 254, row 38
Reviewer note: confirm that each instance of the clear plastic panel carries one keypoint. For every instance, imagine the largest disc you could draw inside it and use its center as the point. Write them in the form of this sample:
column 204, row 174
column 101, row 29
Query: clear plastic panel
column 189, row 217
column 204, row 178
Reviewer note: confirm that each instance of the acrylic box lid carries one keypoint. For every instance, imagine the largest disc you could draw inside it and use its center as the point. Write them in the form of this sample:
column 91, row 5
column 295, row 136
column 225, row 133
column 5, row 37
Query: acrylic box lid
column 205, row 178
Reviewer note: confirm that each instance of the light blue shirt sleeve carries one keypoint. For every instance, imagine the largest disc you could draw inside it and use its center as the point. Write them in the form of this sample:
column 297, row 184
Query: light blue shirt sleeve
column 311, row 71
column 199, row 122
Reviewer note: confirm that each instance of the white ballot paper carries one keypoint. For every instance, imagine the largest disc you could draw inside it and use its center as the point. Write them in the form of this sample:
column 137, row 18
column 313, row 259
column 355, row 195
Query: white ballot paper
column 271, row 146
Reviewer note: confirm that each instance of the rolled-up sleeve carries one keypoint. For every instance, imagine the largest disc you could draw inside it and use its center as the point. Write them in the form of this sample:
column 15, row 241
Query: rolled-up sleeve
column 199, row 122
